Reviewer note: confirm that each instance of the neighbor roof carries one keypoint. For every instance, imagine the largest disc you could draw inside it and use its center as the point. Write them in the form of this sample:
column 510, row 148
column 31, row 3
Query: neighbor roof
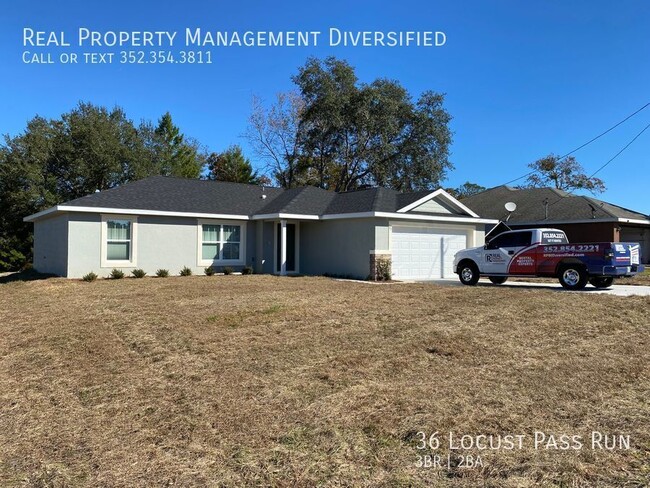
column 170, row 194
column 531, row 206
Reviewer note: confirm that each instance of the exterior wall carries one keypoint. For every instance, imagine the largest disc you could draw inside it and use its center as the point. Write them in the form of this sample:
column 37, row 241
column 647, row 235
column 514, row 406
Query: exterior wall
column 268, row 257
column 343, row 247
column 340, row 247
column 84, row 245
column 162, row 242
column 638, row 234
column 51, row 245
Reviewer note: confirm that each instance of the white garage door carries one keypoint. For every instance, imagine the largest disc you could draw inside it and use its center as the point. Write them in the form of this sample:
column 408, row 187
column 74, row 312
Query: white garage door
column 425, row 253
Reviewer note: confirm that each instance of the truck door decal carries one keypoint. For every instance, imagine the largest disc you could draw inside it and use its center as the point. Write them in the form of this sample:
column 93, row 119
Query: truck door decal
column 524, row 261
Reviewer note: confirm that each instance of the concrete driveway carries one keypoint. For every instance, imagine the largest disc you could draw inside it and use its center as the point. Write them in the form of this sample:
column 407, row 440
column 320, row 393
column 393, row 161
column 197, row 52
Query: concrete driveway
column 620, row 290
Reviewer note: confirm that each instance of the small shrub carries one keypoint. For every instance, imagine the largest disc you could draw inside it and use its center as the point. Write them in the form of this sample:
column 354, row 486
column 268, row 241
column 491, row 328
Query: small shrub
column 209, row 271
column 247, row 270
column 384, row 272
column 162, row 273
column 138, row 273
column 227, row 270
column 117, row 274
column 89, row 277
column 186, row 271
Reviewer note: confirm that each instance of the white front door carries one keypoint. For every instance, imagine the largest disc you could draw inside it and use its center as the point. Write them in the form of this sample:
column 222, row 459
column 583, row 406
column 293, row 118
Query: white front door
column 424, row 253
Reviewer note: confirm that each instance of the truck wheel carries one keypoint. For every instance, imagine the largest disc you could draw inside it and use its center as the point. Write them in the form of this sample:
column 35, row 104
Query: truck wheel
column 573, row 277
column 468, row 273
column 498, row 280
column 602, row 281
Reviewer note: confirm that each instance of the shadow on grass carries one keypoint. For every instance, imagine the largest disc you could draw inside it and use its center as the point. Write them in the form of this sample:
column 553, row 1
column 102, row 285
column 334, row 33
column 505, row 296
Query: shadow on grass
column 29, row 275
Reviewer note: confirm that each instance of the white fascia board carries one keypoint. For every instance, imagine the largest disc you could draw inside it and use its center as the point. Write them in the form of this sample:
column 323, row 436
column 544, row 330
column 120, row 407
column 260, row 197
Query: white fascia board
column 353, row 215
column 435, row 218
column 42, row 213
column 582, row 221
column 634, row 221
column 402, row 216
column 439, row 192
column 286, row 216
column 132, row 211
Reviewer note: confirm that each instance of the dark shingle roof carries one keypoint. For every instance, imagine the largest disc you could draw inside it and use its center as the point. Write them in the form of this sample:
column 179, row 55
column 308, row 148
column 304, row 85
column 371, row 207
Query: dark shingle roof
column 161, row 193
column 169, row 194
column 562, row 206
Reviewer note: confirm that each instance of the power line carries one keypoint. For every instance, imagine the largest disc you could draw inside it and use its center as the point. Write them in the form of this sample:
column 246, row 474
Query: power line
column 609, row 161
column 590, row 141
column 624, row 148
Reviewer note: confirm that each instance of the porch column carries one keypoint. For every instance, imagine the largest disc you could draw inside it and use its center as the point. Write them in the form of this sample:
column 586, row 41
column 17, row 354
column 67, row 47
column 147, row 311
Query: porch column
column 283, row 248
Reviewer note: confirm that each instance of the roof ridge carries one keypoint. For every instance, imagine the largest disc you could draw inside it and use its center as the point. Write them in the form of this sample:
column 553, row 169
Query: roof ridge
column 207, row 180
column 596, row 202
column 374, row 197
column 612, row 205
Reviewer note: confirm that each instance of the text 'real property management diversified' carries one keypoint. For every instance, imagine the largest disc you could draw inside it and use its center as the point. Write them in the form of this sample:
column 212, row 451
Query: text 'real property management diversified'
column 194, row 45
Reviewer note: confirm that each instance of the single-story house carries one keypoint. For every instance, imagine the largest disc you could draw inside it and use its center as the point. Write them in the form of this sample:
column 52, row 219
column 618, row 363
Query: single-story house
column 582, row 218
column 170, row 223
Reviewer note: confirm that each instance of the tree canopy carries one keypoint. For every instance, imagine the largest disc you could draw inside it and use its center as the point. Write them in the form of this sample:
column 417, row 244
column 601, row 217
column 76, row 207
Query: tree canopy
column 344, row 134
column 564, row 174
column 465, row 190
column 231, row 165
column 88, row 148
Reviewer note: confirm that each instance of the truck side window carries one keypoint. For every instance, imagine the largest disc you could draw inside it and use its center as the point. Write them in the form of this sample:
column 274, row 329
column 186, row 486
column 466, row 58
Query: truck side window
column 513, row 239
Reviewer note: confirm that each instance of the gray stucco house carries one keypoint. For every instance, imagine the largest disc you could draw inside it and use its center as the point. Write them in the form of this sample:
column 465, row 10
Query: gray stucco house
column 165, row 222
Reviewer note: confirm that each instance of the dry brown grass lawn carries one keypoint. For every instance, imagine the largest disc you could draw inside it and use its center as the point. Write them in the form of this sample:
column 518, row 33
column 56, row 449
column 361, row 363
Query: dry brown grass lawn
column 266, row 381
column 640, row 279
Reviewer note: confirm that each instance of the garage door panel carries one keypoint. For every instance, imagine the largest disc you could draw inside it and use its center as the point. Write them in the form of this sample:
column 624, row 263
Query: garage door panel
column 425, row 252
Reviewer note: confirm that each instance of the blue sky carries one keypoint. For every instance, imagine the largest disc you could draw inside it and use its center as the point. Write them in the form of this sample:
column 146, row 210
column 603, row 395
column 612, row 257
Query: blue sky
column 523, row 79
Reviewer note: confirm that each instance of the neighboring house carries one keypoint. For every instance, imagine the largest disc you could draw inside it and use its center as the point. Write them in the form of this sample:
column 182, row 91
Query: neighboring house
column 164, row 222
column 583, row 219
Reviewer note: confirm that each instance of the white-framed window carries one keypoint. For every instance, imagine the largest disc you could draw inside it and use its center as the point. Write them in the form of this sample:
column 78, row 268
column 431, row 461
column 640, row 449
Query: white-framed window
column 221, row 243
column 119, row 234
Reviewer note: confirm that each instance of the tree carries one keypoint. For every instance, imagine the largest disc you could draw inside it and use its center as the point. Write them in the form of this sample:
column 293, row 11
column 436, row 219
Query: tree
column 88, row 148
column 353, row 134
column 273, row 134
column 465, row 190
column 564, row 174
column 231, row 165
column 176, row 155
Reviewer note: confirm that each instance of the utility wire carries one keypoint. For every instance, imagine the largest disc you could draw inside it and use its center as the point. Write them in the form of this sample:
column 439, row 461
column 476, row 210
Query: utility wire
column 590, row 141
column 618, row 153
column 609, row 161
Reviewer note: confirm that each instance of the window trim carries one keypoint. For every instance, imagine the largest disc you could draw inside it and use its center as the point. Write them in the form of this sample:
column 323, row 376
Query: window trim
column 133, row 248
column 220, row 262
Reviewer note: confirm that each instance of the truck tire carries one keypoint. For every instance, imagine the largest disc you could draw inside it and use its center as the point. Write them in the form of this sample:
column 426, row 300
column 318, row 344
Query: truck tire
column 498, row 280
column 573, row 276
column 468, row 273
column 601, row 281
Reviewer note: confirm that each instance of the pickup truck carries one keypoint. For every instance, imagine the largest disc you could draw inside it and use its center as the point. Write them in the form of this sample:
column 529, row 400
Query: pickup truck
column 548, row 253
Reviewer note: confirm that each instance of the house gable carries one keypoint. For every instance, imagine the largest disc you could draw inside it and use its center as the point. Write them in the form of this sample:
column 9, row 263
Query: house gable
column 438, row 202
column 436, row 205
